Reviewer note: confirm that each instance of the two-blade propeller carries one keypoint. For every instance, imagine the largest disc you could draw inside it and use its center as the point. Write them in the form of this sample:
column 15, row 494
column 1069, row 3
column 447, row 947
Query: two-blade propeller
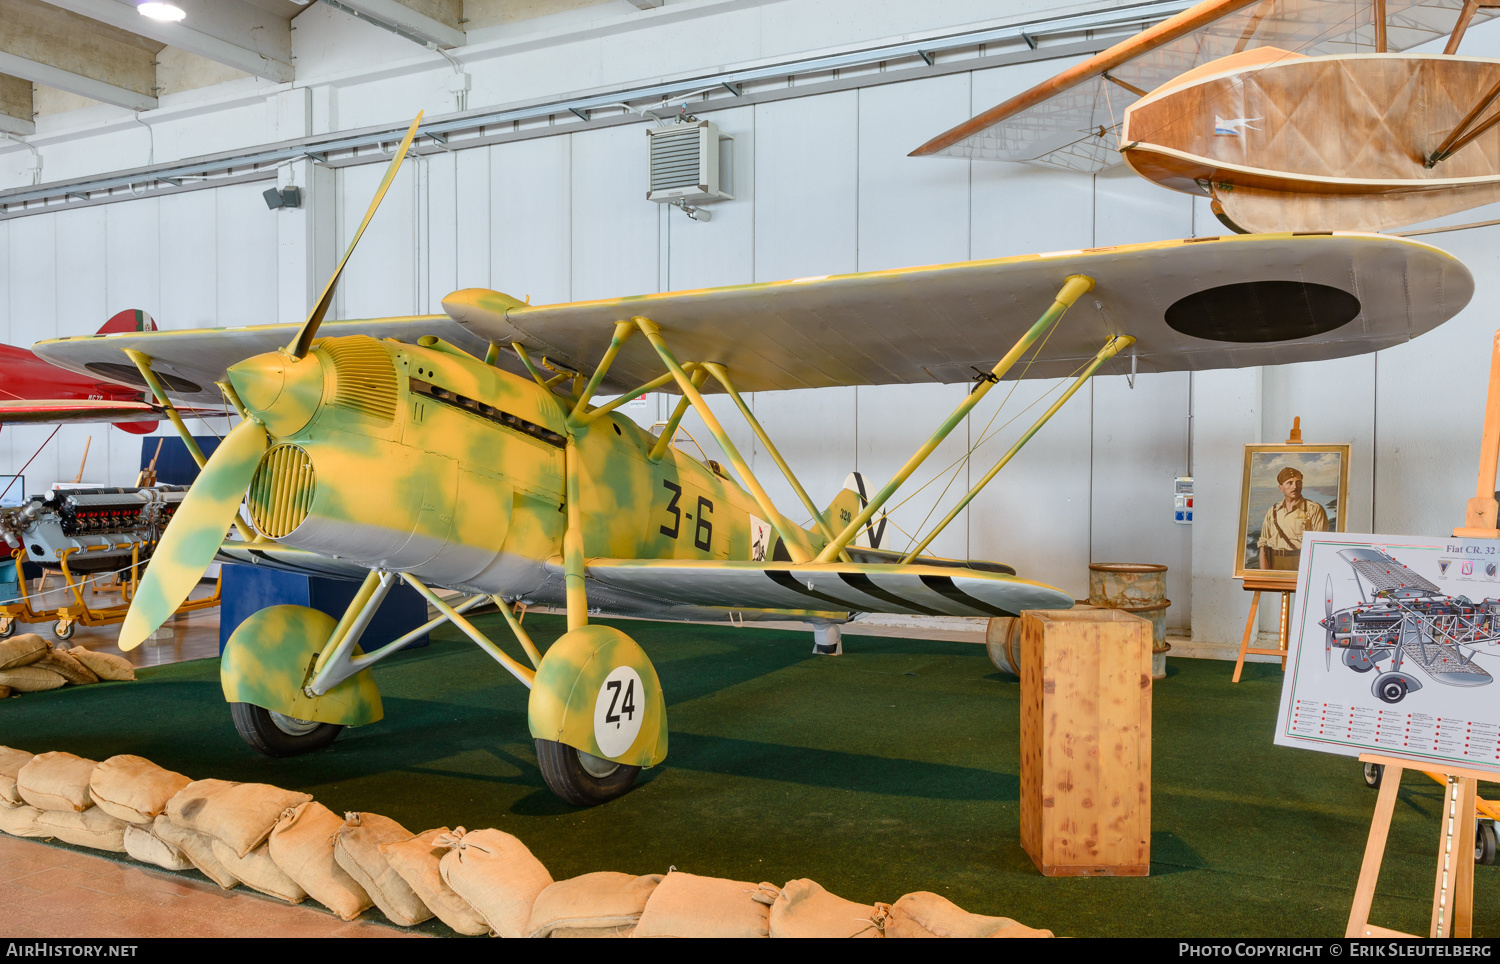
column 205, row 514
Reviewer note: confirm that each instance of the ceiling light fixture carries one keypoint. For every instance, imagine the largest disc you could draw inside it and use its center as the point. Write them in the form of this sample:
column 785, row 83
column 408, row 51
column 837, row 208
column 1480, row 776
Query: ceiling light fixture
column 161, row 11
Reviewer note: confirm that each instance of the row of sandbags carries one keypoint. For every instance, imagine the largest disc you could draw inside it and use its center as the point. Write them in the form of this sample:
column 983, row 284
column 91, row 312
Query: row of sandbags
column 29, row 664
column 283, row 843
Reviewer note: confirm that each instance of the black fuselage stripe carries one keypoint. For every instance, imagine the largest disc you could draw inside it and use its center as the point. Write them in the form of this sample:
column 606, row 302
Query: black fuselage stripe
column 944, row 586
column 866, row 585
column 786, row 580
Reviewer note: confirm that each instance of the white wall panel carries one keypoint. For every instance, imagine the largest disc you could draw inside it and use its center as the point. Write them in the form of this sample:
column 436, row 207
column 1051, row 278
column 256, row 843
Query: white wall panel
column 381, row 277
column 806, row 173
column 437, row 237
column 814, row 430
column 1035, row 514
column 133, row 257
column 1140, row 447
column 1128, row 209
column 471, row 222
column 531, row 226
column 616, row 231
column 32, row 296
column 7, row 457
column 1226, row 415
column 247, row 246
column 912, row 210
column 710, row 254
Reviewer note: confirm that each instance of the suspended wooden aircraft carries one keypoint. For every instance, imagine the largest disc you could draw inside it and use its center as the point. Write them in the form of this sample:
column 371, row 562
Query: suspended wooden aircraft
column 1292, row 115
column 426, row 460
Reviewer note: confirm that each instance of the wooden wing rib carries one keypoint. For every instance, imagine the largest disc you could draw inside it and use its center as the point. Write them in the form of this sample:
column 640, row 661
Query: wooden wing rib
column 842, row 587
column 1070, row 121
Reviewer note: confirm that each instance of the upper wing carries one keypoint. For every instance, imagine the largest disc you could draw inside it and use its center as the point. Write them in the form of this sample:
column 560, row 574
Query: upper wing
column 189, row 362
column 1382, row 571
column 834, row 586
column 1070, row 120
column 931, row 324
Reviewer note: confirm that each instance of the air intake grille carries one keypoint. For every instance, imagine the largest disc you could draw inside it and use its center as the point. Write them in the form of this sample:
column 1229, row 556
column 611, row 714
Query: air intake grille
column 281, row 493
column 364, row 378
column 675, row 160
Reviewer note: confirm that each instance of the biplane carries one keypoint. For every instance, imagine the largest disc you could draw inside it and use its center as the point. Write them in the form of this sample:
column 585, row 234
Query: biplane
column 1407, row 619
column 1291, row 115
column 482, row 451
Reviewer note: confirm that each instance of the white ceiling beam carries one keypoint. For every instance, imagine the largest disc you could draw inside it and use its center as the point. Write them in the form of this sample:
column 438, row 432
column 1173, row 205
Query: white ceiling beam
column 15, row 106
column 50, row 76
column 646, row 4
column 17, row 126
column 239, row 35
column 398, row 17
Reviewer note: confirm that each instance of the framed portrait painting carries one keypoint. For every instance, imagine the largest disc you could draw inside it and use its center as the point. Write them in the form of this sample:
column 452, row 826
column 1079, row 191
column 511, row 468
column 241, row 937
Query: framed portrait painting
column 1288, row 490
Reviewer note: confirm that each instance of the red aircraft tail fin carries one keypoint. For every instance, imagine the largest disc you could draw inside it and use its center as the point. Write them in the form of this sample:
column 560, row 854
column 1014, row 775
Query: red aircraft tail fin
column 131, row 319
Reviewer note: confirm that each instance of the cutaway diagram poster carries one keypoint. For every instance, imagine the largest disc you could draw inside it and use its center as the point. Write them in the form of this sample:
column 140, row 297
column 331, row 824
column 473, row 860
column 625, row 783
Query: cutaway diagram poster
column 1395, row 649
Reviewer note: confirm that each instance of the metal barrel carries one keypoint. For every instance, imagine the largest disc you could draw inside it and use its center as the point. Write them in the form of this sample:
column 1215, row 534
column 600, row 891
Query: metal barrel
column 1002, row 637
column 1139, row 588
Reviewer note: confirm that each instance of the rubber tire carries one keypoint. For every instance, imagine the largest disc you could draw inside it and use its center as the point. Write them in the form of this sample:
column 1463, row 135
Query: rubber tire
column 61, row 633
column 9, row 631
column 566, row 777
column 261, row 734
column 1374, row 773
column 1397, row 686
column 1485, row 843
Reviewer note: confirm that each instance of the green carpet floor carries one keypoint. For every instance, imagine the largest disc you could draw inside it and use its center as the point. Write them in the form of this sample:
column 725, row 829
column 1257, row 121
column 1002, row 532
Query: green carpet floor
column 891, row 769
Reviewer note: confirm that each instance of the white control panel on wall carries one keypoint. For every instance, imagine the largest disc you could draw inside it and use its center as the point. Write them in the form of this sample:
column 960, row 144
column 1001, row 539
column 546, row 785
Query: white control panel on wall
column 1183, row 497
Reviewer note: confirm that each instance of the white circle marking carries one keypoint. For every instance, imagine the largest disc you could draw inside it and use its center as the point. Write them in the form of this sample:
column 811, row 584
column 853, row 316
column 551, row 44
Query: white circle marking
column 618, row 710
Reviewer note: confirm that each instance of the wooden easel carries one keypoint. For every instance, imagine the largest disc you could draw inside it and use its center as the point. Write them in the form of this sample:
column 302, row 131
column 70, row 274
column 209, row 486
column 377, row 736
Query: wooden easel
column 1259, row 583
column 1453, row 894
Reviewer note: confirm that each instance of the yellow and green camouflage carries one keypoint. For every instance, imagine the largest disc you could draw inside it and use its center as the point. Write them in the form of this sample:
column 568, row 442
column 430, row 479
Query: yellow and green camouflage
column 270, row 656
column 569, row 696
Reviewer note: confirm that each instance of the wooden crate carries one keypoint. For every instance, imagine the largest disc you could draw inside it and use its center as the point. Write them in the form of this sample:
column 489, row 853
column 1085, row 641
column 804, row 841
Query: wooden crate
column 1086, row 742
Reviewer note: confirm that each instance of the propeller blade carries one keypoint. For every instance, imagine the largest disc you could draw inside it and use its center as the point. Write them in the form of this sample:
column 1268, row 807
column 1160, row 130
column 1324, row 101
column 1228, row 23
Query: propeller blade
column 299, row 345
column 195, row 533
column 1328, row 623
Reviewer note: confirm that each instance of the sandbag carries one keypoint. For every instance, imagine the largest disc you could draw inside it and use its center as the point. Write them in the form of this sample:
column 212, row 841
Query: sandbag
column 497, row 875
column 11, row 762
column 238, row 815
column 66, row 666
column 5, row 691
column 258, row 870
column 56, row 781
column 133, row 788
column 199, row 848
column 88, row 828
column 302, row 846
column 418, row 862
column 607, row 902
column 22, row 650
column 805, row 909
column 686, row 905
column 20, row 821
column 356, row 849
column 106, row 666
column 148, row 848
column 924, row 914
column 31, row 679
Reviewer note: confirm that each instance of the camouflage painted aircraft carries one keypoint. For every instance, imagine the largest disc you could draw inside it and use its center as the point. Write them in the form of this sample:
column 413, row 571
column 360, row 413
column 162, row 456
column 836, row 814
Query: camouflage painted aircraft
column 486, row 457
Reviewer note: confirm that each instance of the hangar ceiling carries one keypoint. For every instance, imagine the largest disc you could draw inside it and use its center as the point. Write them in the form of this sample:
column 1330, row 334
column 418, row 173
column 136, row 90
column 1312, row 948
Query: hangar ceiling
column 60, row 54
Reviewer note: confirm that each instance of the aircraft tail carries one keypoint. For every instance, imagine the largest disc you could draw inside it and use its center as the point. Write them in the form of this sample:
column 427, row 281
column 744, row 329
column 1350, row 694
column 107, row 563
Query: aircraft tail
column 131, row 319
column 850, row 501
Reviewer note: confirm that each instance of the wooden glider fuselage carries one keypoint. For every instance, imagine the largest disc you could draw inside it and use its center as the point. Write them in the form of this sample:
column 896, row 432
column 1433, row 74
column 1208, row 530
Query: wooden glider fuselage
column 1287, row 142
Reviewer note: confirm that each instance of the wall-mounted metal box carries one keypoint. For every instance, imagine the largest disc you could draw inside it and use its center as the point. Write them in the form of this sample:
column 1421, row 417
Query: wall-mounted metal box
column 690, row 163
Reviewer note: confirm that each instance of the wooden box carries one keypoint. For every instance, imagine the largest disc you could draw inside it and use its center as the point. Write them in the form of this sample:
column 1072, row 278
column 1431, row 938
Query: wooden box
column 1086, row 742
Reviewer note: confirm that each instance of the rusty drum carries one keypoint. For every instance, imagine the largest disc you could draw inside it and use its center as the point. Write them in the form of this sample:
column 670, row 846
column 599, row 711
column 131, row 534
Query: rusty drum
column 1139, row 588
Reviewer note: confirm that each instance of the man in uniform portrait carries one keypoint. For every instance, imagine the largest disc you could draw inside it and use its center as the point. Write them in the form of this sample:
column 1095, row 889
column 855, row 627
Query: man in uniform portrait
column 1281, row 531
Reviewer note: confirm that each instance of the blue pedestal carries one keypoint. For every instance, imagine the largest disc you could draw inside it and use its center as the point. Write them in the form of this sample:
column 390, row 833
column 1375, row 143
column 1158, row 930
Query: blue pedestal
column 249, row 589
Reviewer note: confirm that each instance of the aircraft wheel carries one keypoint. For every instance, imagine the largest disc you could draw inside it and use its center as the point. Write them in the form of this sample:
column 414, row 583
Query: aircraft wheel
column 582, row 779
column 1391, row 688
column 275, row 734
column 1374, row 773
column 1485, row 843
column 63, row 630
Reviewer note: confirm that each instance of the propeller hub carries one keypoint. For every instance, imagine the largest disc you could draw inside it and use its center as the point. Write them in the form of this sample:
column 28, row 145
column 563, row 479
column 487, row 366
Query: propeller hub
column 283, row 392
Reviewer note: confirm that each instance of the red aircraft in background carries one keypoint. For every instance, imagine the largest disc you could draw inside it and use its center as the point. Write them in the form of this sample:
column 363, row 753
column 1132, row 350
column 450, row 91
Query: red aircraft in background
column 34, row 392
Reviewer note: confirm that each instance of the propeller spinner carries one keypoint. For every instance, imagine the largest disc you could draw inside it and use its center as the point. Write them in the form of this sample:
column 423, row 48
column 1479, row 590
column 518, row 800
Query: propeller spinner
column 280, row 391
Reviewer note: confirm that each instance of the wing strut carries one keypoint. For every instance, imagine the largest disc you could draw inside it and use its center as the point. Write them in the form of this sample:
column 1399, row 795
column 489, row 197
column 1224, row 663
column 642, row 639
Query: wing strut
column 1116, row 344
column 1073, row 288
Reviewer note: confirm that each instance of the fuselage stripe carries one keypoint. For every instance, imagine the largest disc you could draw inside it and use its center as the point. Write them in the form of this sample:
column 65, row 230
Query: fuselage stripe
column 945, row 586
